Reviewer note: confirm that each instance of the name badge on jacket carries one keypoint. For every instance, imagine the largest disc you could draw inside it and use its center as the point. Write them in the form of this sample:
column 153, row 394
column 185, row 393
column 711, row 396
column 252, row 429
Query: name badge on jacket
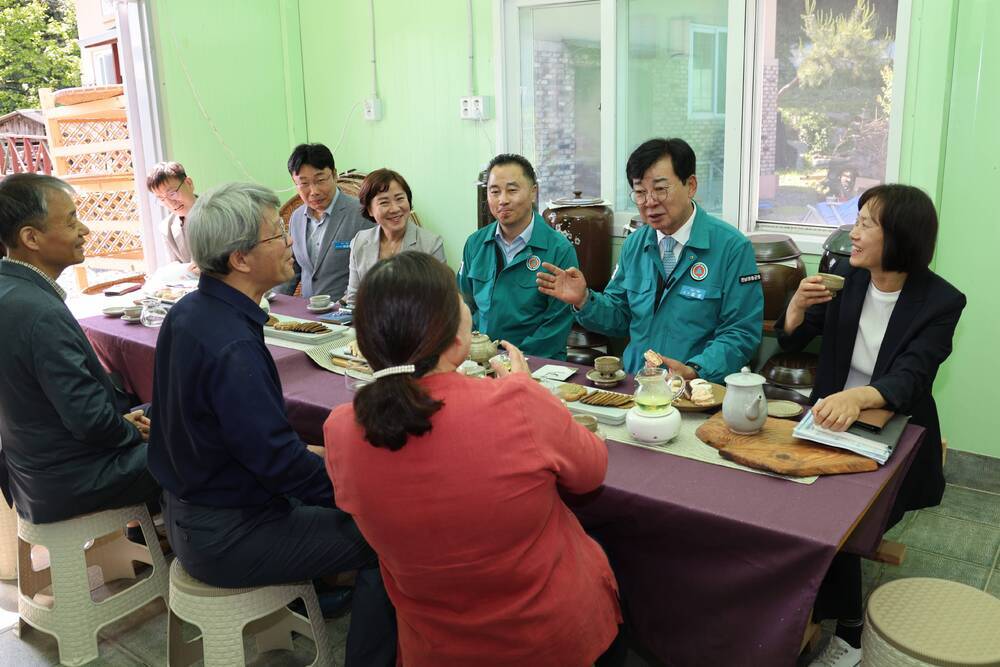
column 692, row 292
column 341, row 245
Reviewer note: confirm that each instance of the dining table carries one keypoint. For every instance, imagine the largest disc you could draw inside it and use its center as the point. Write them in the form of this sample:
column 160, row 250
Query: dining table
column 716, row 566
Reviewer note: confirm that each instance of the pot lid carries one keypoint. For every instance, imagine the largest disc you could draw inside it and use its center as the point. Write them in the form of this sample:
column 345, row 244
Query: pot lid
column 744, row 379
column 839, row 242
column 577, row 200
column 769, row 247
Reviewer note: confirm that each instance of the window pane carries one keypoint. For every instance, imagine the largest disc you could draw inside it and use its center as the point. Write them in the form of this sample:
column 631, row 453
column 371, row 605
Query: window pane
column 827, row 98
column 671, row 82
column 561, row 97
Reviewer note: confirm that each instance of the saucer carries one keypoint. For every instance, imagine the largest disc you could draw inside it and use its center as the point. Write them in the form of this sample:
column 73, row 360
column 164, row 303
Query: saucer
column 319, row 309
column 113, row 311
column 602, row 381
column 130, row 320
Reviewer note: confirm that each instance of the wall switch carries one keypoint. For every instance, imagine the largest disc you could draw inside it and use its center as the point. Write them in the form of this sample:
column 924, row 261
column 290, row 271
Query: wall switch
column 476, row 107
column 372, row 108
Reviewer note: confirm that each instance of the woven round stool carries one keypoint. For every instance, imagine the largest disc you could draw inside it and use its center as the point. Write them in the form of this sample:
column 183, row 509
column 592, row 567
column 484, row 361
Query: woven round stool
column 921, row 621
column 222, row 615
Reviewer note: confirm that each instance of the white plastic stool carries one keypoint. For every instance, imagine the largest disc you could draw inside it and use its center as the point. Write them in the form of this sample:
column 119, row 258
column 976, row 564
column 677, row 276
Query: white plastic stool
column 922, row 621
column 68, row 612
column 222, row 614
column 8, row 541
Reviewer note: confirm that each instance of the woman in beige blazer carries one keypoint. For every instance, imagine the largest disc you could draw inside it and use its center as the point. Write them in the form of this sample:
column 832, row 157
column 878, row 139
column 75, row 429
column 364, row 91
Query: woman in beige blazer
column 386, row 200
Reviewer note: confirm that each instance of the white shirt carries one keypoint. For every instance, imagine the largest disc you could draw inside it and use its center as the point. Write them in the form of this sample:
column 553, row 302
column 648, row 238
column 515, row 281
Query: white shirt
column 875, row 314
column 681, row 235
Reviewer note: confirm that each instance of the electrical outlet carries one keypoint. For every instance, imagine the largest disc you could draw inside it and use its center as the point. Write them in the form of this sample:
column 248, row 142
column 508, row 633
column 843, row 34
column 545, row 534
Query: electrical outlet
column 373, row 108
column 476, row 107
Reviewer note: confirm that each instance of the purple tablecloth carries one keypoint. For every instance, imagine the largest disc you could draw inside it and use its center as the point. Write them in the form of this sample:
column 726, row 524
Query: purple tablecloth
column 716, row 566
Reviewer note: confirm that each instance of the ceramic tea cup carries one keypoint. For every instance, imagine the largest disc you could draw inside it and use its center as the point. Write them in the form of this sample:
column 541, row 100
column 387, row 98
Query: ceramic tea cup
column 319, row 300
column 607, row 366
column 832, row 282
column 132, row 312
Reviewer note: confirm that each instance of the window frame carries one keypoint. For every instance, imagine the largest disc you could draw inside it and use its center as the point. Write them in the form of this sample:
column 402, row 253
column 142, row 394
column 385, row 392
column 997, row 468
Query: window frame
column 741, row 173
column 715, row 31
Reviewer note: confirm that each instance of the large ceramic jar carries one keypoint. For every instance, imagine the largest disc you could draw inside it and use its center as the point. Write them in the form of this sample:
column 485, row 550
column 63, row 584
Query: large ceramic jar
column 587, row 223
column 781, row 270
column 837, row 252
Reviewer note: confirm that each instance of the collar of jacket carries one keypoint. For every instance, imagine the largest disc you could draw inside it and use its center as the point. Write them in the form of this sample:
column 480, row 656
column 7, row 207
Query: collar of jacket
column 539, row 239
column 18, row 269
column 215, row 288
column 699, row 233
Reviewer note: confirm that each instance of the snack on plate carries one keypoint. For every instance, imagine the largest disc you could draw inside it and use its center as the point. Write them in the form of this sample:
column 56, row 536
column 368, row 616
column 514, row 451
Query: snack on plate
column 271, row 321
column 701, row 392
column 168, row 294
column 302, row 327
column 354, row 350
column 608, row 399
column 652, row 358
column 571, row 392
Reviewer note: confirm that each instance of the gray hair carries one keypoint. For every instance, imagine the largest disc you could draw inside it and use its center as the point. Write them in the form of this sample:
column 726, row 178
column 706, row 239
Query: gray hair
column 23, row 203
column 224, row 220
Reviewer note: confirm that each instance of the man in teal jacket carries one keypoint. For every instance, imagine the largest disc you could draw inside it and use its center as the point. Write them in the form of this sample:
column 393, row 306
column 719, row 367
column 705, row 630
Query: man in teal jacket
column 686, row 285
column 500, row 262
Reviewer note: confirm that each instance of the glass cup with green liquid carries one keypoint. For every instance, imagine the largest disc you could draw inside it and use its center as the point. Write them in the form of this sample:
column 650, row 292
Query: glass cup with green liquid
column 656, row 390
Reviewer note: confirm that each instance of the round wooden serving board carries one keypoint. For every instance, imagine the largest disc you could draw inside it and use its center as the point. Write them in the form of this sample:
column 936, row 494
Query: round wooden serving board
column 775, row 449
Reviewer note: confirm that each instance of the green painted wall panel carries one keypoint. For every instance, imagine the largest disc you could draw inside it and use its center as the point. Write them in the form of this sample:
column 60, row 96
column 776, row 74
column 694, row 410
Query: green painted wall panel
column 970, row 236
column 231, row 87
column 422, row 65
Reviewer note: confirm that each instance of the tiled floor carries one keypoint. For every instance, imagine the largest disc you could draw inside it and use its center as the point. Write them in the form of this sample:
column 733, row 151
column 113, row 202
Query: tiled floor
column 958, row 540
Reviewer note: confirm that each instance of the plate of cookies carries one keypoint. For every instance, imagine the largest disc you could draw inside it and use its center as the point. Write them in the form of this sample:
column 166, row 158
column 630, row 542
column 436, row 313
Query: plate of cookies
column 609, row 407
column 299, row 330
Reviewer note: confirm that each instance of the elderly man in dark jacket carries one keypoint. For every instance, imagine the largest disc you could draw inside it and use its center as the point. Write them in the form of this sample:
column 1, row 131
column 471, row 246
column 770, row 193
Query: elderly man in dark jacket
column 66, row 451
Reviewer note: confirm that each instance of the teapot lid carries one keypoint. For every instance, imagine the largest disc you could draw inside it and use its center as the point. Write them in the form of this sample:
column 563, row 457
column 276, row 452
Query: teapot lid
column 577, row 200
column 744, row 379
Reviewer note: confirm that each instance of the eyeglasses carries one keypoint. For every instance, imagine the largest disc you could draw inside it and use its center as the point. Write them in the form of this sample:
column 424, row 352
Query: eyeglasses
column 640, row 197
column 283, row 235
column 171, row 194
column 318, row 182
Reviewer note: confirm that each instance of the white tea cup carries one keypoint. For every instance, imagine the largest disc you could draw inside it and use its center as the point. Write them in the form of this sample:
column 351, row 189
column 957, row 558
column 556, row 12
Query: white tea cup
column 319, row 301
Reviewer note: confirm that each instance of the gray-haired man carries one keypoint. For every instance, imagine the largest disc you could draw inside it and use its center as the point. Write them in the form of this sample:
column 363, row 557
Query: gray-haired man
column 246, row 504
column 66, row 449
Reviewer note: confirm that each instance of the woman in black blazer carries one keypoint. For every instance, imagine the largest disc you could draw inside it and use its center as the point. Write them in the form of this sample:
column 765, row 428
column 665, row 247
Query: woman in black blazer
column 884, row 336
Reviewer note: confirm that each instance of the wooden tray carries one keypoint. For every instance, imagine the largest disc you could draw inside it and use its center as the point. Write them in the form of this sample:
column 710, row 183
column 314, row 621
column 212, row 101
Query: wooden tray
column 775, row 449
column 685, row 405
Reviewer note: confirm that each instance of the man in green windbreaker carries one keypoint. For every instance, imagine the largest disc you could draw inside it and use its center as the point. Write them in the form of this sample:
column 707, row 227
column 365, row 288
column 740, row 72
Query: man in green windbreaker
column 686, row 285
column 500, row 263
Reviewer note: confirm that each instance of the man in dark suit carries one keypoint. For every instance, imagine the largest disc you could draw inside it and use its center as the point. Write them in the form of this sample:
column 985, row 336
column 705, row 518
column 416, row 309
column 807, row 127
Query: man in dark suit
column 323, row 227
column 67, row 451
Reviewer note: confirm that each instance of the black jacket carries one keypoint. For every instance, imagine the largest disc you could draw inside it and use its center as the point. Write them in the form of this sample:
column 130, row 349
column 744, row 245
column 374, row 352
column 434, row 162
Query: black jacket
column 917, row 341
column 66, row 448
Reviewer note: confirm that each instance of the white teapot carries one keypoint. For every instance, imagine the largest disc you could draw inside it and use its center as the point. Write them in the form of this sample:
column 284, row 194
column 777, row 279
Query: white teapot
column 744, row 409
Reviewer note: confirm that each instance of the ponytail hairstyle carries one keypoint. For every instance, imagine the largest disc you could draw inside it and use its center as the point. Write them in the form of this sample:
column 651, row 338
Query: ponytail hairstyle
column 407, row 312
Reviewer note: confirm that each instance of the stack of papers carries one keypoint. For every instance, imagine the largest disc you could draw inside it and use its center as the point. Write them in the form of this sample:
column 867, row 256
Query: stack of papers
column 876, row 446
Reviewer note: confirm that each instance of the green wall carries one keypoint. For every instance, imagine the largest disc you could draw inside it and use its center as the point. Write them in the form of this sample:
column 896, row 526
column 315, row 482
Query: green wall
column 422, row 54
column 230, row 88
column 271, row 73
column 955, row 114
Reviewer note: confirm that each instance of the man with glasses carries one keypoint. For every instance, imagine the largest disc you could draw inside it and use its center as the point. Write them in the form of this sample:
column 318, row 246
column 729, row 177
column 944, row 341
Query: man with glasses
column 174, row 189
column 245, row 502
column 323, row 227
column 686, row 285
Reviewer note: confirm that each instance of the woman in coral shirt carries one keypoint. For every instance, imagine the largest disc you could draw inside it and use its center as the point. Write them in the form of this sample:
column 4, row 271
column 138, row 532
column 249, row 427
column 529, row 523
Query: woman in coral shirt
column 454, row 482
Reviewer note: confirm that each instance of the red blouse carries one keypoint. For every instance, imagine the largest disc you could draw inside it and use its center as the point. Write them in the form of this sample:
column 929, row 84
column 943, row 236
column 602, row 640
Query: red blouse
column 483, row 561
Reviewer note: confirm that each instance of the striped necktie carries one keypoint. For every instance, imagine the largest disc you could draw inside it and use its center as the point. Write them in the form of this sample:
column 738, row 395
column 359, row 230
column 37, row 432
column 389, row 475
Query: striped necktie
column 669, row 260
